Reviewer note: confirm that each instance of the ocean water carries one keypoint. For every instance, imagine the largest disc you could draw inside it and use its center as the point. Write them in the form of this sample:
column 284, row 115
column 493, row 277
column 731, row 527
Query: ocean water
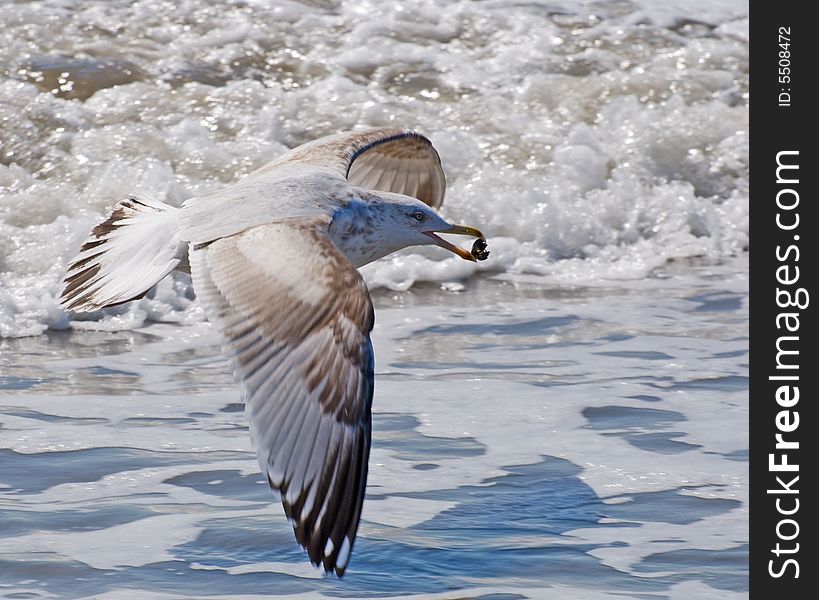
column 566, row 420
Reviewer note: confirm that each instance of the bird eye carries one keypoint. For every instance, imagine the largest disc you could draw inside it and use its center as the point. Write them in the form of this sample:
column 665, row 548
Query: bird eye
column 418, row 216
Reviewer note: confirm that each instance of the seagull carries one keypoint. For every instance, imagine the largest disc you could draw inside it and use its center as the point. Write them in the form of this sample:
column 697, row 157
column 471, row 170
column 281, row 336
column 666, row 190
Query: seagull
column 274, row 260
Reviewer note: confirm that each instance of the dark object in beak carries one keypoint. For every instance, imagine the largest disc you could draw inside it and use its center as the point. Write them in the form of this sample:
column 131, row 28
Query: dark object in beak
column 483, row 253
column 479, row 250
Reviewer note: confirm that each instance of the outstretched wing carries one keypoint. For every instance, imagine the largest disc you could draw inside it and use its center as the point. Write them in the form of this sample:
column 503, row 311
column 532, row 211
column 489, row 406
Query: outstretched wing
column 387, row 159
column 296, row 318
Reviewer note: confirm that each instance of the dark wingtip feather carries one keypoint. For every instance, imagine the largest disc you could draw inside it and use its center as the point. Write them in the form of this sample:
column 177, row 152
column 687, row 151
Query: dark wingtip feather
column 343, row 507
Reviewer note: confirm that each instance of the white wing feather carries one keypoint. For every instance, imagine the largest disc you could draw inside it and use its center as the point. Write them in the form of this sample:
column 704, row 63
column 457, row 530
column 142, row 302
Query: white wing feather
column 125, row 256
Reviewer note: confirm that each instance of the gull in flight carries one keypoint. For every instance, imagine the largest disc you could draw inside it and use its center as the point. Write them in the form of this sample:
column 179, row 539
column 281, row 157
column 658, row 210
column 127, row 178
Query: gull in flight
column 274, row 261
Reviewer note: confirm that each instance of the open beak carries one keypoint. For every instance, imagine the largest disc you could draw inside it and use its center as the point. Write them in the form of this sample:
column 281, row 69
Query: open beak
column 458, row 230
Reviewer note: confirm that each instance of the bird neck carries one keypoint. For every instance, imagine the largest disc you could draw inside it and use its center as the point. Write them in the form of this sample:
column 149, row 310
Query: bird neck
column 360, row 230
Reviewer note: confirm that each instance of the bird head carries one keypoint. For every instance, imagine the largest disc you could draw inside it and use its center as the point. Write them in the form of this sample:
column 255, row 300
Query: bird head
column 419, row 225
column 376, row 224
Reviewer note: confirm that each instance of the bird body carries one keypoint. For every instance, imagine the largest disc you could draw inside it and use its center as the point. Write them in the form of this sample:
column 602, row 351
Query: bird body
column 293, row 191
column 274, row 261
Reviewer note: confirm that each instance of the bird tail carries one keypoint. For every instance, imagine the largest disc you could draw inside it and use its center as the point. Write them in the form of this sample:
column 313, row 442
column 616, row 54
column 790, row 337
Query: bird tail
column 125, row 256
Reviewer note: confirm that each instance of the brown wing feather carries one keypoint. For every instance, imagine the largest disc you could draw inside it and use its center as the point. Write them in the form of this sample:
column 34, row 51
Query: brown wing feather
column 296, row 317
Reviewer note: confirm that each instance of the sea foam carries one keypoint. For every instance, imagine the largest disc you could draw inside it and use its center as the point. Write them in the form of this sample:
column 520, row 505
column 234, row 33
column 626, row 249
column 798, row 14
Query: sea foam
column 591, row 142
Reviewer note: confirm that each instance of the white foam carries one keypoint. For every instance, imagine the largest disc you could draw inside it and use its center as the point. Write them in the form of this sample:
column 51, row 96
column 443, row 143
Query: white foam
column 589, row 141
column 403, row 512
column 148, row 542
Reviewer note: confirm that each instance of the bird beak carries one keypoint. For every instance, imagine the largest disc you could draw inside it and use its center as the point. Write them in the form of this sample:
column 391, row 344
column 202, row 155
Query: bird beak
column 458, row 230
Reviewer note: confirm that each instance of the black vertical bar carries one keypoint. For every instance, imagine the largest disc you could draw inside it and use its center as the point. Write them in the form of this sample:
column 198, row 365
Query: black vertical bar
column 783, row 191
